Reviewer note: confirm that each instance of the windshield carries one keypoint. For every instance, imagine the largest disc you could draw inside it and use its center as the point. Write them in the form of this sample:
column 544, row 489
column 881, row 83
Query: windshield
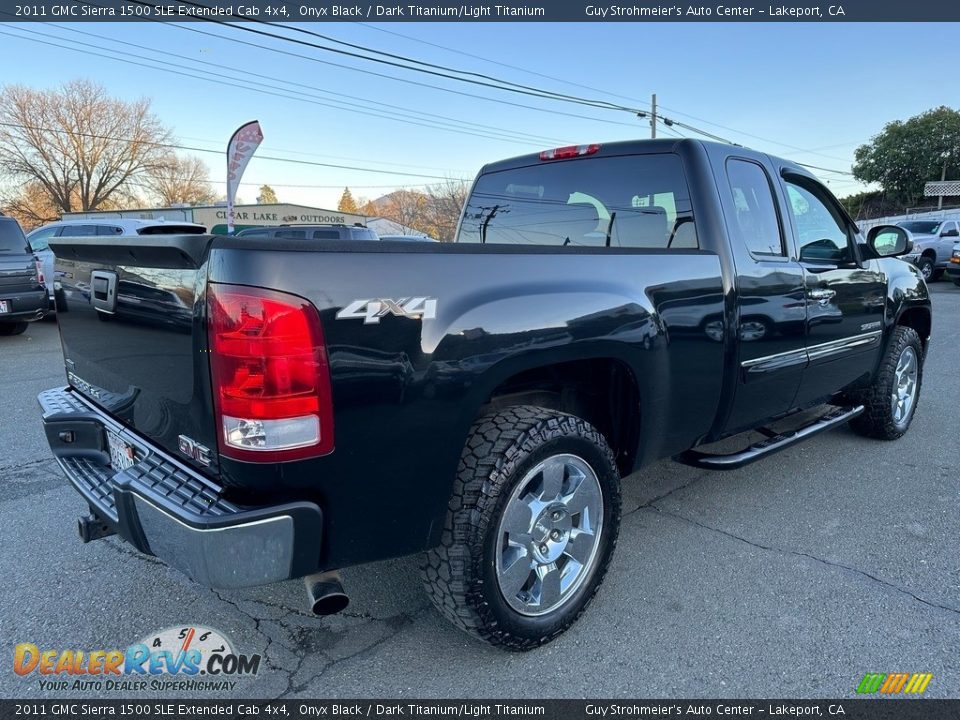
column 11, row 238
column 922, row 227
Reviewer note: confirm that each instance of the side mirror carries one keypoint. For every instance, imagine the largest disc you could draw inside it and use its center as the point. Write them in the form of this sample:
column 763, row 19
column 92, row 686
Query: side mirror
column 951, row 233
column 889, row 241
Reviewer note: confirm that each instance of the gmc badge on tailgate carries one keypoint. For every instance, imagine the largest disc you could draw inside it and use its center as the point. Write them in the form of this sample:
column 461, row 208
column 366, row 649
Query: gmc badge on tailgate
column 194, row 450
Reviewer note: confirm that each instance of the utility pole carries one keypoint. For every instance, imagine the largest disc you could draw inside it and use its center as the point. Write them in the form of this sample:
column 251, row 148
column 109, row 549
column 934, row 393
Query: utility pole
column 653, row 116
column 943, row 177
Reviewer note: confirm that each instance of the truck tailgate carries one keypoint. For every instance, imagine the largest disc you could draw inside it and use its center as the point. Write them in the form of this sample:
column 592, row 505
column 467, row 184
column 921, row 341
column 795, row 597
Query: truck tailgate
column 131, row 327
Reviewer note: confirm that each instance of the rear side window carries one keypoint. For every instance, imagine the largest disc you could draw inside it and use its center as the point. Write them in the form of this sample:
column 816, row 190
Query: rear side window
column 109, row 230
column 755, row 220
column 291, row 234
column 12, row 239
column 326, row 234
column 638, row 201
column 363, row 234
column 79, row 231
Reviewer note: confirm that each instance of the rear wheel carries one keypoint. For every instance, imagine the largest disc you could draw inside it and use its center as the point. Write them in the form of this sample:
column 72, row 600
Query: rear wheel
column 530, row 530
column 891, row 402
column 16, row 328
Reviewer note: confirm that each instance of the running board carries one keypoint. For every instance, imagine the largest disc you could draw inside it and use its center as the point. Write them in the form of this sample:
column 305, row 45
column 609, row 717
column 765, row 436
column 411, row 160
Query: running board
column 772, row 444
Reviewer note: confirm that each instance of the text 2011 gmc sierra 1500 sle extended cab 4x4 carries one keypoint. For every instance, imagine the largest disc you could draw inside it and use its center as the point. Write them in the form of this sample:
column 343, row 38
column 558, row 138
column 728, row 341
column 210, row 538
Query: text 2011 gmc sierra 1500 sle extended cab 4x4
column 294, row 407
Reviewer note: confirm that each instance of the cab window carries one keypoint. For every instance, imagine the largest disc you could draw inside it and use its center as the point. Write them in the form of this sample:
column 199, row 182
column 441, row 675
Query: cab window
column 755, row 215
column 632, row 201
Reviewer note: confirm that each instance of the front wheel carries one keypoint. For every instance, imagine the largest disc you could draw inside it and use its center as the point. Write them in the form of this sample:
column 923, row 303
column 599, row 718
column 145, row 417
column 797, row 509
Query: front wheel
column 891, row 402
column 926, row 268
column 530, row 529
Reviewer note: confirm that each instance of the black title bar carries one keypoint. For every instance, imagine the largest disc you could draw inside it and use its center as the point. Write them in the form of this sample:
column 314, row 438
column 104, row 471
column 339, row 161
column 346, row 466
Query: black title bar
column 503, row 11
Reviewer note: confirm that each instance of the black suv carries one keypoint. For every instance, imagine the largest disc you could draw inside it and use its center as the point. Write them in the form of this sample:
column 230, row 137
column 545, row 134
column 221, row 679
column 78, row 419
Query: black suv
column 23, row 295
column 312, row 232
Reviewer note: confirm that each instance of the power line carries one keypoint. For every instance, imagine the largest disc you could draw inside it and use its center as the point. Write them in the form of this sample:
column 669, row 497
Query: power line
column 217, row 152
column 375, row 74
column 419, row 65
column 460, row 121
column 448, row 127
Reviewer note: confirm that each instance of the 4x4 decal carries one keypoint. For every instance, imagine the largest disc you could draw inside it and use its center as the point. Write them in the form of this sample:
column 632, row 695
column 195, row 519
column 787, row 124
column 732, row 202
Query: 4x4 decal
column 371, row 310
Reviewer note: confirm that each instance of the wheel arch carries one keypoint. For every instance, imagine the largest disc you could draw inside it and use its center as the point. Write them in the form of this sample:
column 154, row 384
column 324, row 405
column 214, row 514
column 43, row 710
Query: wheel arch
column 603, row 390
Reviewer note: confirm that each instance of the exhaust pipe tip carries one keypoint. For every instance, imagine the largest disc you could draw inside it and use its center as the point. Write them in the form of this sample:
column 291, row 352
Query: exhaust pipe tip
column 326, row 594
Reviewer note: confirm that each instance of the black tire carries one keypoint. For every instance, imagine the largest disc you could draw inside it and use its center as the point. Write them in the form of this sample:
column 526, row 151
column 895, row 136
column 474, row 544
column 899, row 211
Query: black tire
column 877, row 420
column 926, row 268
column 937, row 274
column 17, row 328
column 956, row 281
column 460, row 575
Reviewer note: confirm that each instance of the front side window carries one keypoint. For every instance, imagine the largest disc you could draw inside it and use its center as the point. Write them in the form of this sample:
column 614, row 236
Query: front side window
column 822, row 233
column 755, row 219
column 636, row 201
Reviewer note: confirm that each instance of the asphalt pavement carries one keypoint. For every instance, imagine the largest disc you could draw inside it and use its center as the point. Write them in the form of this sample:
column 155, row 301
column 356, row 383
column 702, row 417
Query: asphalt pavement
column 790, row 578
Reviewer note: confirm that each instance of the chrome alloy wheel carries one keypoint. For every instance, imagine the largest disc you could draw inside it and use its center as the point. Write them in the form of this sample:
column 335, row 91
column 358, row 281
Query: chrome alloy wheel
column 549, row 533
column 904, row 394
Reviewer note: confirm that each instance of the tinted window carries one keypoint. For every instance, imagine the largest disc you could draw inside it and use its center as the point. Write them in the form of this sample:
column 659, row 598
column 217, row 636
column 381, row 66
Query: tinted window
column 363, row 234
column 821, row 229
column 39, row 239
column 921, row 227
column 637, row 201
column 294, row 234
column 756, row 220
column 79, row 231
column 11, row 238
column 171, row 230
column 326, row 234
column 109, row 230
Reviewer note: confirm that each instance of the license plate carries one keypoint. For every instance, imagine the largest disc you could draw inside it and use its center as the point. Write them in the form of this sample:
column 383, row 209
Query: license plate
column 4, row 306
column 121, row 454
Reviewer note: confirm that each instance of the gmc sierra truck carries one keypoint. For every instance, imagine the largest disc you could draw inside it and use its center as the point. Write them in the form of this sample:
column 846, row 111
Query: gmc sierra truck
column 297, row 406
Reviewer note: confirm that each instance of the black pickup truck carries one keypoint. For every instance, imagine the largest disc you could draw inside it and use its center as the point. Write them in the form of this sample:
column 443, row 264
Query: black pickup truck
column 23, row 298
column 300, row 406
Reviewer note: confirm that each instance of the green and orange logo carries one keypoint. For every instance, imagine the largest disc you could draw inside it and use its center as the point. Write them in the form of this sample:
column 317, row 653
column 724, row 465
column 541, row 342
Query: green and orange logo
column 894, row 683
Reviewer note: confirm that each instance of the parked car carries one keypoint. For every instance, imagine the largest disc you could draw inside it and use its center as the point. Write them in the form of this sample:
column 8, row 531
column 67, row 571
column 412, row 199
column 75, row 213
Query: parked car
column 334, row 404
column 23, row 296
column 40, row 238
column 311, row 232
column 953, row 268
column 408, row 238
column 932, row 245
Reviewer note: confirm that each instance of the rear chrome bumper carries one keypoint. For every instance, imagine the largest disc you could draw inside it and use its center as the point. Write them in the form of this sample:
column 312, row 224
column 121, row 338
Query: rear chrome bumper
column 165, row 509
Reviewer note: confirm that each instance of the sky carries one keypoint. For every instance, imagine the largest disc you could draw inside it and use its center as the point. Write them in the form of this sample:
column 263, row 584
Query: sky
column 810, row 92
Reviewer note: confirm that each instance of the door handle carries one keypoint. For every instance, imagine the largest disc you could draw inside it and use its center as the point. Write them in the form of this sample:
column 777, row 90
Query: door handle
column 822, row 296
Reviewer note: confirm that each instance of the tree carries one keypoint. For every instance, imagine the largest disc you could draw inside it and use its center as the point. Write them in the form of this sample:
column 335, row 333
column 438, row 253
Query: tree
column 82, row 146
column 347, row 204
column 32, row 207
column 406, row 207
column 906, row 154
column 267, row 196
column 181, row 180
column 444, row 207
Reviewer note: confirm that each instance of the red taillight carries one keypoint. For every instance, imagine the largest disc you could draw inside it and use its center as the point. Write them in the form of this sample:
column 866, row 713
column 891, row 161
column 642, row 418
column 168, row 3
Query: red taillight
column 562, row 153
column 271, row 379
column 41, row 279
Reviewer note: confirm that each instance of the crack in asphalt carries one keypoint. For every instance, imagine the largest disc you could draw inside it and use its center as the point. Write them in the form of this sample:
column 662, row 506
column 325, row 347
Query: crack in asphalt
column 652, row 501
column 798, row 553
